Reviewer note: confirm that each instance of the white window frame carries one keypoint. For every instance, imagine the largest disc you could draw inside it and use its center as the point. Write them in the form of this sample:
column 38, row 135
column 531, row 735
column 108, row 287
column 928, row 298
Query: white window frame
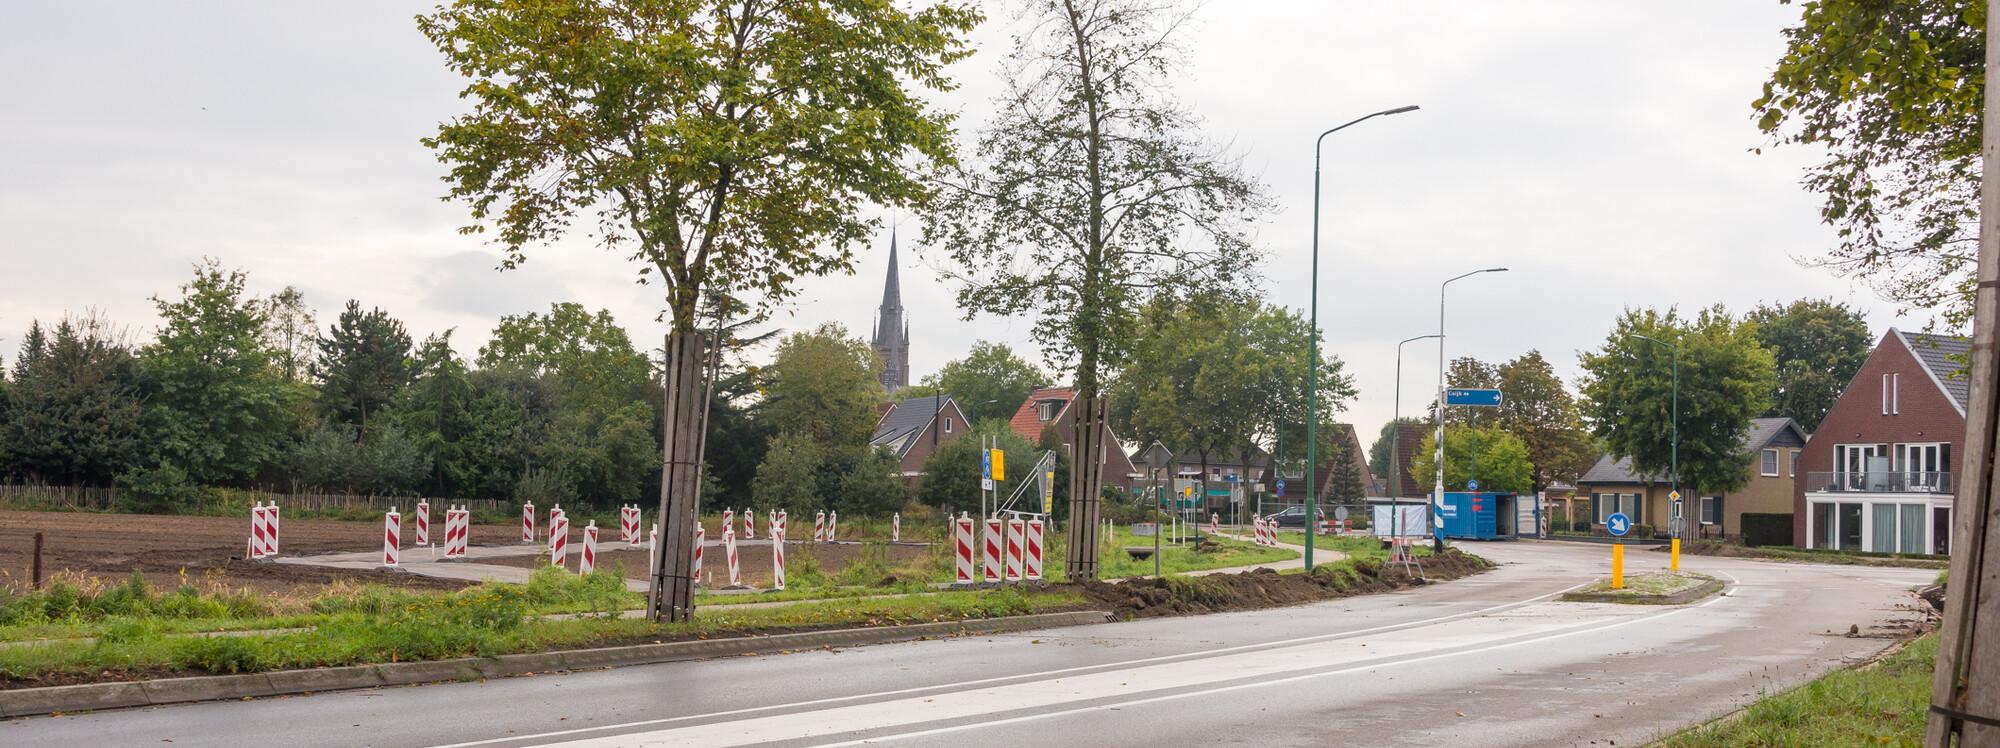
column 1792, row 467
column 1768, row 463
column 1614, row 503
column 1896, row 394
column 1711, row 510
column 947, row 424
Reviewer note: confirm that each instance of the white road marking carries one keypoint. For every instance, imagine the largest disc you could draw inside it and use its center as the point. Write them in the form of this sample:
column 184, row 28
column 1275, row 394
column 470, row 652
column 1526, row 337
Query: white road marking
column 1200, row 654
column 1130, row 685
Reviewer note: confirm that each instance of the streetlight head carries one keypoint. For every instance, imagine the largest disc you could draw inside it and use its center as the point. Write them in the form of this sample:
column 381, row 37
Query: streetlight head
column 1402, row 109
column 1495, row 270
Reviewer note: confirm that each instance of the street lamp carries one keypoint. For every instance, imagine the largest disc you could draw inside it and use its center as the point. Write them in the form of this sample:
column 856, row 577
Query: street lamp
column 1312, row 342
column 1437, row 497
column 1675, row 448
column 1395, row 441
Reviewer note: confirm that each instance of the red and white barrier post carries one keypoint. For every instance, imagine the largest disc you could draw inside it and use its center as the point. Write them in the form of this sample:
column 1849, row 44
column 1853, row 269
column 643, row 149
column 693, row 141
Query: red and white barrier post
column 1017, row 531
column 832, row 525
column 777, row 530
column 392, row 538
column 423, row 523
column 628, row 526
column 896, row 527
column 257, row 530
column 819, row 527
column 749, row 525
column 655, row 541
column 558, row 537
column 456, row 524
column 700, row 539
column 1033, row 571
column 729, row 547
column 528, row 523
column 588, row 563
column 553, row 511
column 961, row 537
column 990, row 560
column 271, row 529
column 728, row 518
column 1214, row 524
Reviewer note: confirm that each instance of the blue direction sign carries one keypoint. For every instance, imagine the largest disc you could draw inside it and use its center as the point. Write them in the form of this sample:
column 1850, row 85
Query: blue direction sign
column 1462, row 396
column 1281, row 488
column 985, row 470
column 1472, row 485
column 1618, row 524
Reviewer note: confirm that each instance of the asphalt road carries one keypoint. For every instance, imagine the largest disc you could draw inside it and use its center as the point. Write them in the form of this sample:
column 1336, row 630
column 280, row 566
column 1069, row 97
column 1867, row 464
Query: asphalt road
column 1485, row 661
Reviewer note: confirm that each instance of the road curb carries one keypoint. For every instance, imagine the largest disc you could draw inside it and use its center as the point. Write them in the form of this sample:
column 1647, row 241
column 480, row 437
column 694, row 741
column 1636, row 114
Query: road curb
column 93, row 696
column 1684, row 596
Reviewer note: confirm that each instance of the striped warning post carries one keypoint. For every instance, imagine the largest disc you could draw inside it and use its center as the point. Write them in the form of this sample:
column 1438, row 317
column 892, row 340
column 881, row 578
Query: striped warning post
column 271, row 529
column 558, row 537
column 456, row 522
column 392, row 537
column 961, row 537
column 553, row 511
column 628, row 525
column 588, row 563
column 728, row 518
column 749, row 525
column 896, row 527
column 832, row 525
column 729, row 547
column 423, row 523
column 1017, row 531
column 700, row 539
column 990, row 560
column 655, row 541
column 777, row 554
column 528, row 522
column 819, row 527
column 1214, row 524
column 256, row 531
column 1033, row 570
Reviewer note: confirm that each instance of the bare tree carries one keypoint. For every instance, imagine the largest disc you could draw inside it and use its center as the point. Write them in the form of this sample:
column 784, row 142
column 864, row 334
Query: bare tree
column 1091, row 190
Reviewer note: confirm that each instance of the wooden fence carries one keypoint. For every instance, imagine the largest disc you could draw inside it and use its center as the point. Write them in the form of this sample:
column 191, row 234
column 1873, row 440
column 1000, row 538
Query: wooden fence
column 104, row 499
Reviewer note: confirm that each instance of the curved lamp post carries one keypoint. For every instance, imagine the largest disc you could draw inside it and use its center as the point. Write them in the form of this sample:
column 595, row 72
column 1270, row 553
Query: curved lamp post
column 1437, row 498
column 1312, row 342
column 1395, row 440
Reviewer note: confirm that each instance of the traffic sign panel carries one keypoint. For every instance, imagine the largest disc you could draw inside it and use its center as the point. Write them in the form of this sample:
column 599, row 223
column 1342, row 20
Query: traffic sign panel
column 1473, row 397
column 1618, row 524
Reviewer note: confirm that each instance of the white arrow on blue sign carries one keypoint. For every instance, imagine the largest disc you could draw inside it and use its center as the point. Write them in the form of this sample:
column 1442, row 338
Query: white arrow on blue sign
column 1463, row 396
column 1618, row 524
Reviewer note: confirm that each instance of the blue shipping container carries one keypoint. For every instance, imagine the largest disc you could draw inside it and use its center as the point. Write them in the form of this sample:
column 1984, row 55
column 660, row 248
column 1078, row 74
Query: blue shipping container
column 1484, row 515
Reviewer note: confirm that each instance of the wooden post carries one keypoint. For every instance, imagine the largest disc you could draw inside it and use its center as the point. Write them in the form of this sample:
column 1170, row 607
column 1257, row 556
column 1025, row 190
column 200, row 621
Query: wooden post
column 1086, row 477
column 1968, row 659
column 671, row 597
column 35, row 576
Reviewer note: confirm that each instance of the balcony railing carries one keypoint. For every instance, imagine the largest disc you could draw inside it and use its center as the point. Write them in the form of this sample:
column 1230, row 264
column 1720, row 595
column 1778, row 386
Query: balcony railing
column 1878, row 481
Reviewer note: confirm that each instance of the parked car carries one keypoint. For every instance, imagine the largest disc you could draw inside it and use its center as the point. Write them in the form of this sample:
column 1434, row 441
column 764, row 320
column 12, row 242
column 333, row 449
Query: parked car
column 1296, row 516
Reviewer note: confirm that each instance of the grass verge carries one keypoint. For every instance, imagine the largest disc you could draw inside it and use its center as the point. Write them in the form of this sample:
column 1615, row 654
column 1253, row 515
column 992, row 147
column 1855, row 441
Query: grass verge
column 1813, row 555
column 1881, row 704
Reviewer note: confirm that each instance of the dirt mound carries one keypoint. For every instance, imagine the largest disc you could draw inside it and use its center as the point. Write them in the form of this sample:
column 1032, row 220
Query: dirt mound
column 1712, row 548
column 1264, row 588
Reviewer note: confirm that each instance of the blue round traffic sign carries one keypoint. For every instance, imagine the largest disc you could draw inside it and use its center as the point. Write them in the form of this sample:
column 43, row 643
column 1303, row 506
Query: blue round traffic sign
column 1281, row 485
column 1618, row 524
column 1472, row 485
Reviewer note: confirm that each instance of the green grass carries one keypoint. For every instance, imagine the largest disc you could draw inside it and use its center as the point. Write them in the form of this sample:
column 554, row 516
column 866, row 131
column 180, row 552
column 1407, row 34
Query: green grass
column 1113, row 562
column 388, row 626
column 1884, row 704
column 1830, row 556
column 1651, row 583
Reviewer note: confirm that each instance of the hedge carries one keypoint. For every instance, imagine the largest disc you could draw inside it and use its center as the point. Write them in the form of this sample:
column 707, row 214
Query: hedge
column 1767, row 529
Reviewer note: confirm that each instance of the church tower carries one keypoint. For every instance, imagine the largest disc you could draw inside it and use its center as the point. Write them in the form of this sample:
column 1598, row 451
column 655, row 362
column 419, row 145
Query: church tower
column 892, row 330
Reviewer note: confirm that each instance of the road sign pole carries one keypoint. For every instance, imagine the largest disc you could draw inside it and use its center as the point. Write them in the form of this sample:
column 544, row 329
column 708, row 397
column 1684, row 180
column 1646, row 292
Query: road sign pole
column 1618, row 565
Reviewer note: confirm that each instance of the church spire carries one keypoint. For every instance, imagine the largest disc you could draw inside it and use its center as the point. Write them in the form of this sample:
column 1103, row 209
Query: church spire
column 892, row 329
column 892, row 291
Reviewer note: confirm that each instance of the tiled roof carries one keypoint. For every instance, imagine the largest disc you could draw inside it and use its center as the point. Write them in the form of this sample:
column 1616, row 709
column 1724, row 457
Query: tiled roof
column 905, row 420
column 1608, row 470
column 1945, row 357
column 1027, row 423
column 1763, row 430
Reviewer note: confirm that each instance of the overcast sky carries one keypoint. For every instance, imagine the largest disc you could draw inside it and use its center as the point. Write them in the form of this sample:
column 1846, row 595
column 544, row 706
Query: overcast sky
column 1600, row 150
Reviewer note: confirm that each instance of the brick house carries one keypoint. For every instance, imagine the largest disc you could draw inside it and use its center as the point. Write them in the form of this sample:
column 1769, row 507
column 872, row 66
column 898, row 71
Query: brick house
column 915, row 428
column 1878, row 474
column 1051, row 405
column 1774, row 445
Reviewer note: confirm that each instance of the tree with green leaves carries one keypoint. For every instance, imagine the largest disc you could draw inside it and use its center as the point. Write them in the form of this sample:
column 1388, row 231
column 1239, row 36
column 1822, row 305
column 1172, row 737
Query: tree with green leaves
column 1470, row 373
column 291, row 333
column 363, row 362
column 872, row 486
column 825, row 384
column 989, row 372
column 1345, row 483
column 951, row 477
column 1379, row 452
column 788, row 478
column 1892, row 92
column 1502, row 463
column 588, row 355
column 1818, row 346
column 1726, row 379
column 216, row 408
column 74, row 413
column 1092, row 190
column 729, row 146
column 435, row 411
column 1538, row 409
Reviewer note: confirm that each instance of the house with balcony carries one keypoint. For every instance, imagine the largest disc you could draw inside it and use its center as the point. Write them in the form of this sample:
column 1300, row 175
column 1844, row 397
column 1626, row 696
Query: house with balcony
column 1877, row 475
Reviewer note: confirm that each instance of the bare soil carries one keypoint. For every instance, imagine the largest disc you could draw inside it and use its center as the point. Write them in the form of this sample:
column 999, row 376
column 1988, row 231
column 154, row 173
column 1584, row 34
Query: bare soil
column 165, row 548
column 753, row 561
column 1265, row 588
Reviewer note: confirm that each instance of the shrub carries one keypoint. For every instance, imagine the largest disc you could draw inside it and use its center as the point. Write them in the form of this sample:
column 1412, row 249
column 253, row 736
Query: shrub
column 162, row 489
column 221, row 654
column 1582, row 525
column 1767, row 529
column 1642, row 531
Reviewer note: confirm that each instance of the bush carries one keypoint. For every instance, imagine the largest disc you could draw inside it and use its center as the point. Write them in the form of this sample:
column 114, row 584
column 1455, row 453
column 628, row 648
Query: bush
column 1642, row 531
column 1582, row 525
column 162, row 489
column 220, row 653
column 1767, row 529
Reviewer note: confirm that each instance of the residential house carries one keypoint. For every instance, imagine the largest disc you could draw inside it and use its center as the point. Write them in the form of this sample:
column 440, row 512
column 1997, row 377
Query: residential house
column 916, row 428
column 1774, row 445
column 1409, row 438
column 1053, row 405
column 1878, row 474
column 1230, row 469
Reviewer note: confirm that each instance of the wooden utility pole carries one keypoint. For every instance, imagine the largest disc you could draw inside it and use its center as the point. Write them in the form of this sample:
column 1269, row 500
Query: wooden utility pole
column 1965, row 693
column 671, row 594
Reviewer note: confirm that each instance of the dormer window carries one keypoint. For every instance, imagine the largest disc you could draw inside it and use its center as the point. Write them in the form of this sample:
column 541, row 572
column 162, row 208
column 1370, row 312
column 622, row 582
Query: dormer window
column 1046, row 410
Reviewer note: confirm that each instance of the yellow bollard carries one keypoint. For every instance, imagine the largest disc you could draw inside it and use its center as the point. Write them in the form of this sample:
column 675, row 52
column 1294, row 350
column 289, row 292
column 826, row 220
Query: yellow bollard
column 1677, row 554
column 1618, row 567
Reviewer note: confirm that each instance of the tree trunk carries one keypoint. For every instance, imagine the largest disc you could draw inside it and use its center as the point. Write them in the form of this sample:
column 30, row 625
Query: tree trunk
column 671, row 597
column 1086, row 477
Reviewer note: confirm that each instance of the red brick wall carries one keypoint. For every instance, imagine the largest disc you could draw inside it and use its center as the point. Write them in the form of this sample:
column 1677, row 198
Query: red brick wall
column 920, row 451
column 1925, row 414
